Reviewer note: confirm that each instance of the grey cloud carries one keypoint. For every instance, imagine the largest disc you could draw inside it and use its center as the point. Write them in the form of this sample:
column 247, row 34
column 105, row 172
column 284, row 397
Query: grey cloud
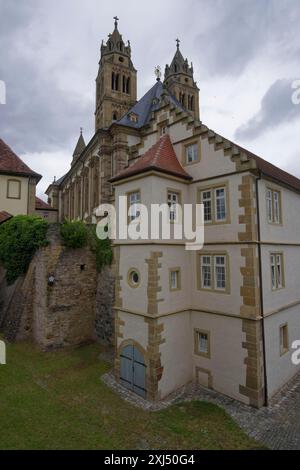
column 38, row 115
column 276, row 108
column 244, row 28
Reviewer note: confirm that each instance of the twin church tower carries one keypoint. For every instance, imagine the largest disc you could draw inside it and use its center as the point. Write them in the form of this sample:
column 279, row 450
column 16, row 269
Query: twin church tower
column 116, row 83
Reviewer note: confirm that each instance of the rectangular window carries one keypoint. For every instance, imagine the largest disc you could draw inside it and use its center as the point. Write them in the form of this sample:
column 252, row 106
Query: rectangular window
column 215, row 204
column 220, row 198
column 192, row 153
column 206, row 272
column 173, row 200
column 277, row 278
column 13, row 189
column 134, row 199
column 206, row 201
column 269, row 206
column 202, row 343
column 273, row 206
column 213, row 272
column 220, row 273
column 284, row 339
column 175, row 279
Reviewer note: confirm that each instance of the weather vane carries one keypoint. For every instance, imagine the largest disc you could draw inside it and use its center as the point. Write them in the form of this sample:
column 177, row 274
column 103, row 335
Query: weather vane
column 178, row 43
column 157, row 72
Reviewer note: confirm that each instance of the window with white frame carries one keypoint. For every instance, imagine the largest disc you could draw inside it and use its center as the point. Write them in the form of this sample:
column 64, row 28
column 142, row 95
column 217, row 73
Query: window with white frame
column 173, row 200
column 220, row 272
column 273, row 206
column 220, row 201
column 277, row 278
column 175, row 279
column 206, row 277
column 202, row 343
column 192, row 154
column 207, row 203
column 213, row 272
column 134, row 200
column 215, row 204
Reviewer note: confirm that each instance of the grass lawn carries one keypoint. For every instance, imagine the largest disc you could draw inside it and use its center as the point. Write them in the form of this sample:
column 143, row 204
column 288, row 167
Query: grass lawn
column 57, row 401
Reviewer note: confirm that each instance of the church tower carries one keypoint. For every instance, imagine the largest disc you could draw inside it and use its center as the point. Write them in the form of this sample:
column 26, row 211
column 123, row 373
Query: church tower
column 179, row 80
column 116, row 86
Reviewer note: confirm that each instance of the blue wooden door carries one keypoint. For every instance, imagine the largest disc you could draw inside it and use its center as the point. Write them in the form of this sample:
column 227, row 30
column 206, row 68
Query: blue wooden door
column 133, row 370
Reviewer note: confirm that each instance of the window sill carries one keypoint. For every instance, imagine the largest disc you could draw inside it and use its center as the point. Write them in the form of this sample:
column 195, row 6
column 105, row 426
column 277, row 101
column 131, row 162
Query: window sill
column 284, row 352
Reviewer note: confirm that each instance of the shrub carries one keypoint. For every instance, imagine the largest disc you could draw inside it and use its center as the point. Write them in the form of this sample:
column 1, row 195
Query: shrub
column 20, row 237
column 101, row 248
column 78, row 235
column 74, row 234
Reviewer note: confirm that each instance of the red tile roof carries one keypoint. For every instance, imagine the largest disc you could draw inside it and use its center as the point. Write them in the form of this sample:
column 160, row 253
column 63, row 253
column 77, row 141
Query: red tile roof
column 42, row 205
column 275, row 172
column 160, row 157
column 10, row 163
column 4, row 216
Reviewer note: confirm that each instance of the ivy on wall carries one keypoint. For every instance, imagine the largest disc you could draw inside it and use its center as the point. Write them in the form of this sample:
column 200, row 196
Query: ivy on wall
column 20, row 237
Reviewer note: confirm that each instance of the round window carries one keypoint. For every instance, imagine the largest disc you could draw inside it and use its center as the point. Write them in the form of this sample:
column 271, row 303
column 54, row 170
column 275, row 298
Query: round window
column 134, row 278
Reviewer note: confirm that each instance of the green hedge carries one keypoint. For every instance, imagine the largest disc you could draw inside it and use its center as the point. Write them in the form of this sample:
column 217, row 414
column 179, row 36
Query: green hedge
column 78, row 235
column 20, row 237
column 74, row 234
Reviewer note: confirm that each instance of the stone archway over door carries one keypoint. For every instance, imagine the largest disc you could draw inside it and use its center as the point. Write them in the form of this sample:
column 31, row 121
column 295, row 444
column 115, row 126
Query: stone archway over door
column 133, row 370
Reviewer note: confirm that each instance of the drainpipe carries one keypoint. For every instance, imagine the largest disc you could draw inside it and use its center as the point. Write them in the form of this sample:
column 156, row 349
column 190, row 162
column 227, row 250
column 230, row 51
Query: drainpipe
column 261, row 290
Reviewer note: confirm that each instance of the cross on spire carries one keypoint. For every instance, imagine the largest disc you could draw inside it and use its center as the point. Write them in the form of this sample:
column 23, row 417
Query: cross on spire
column 116, row 21
column 178, row 42
column 81, row 129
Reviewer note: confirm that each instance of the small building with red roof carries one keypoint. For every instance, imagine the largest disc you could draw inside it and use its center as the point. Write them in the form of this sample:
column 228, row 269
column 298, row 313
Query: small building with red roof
column 17, row 184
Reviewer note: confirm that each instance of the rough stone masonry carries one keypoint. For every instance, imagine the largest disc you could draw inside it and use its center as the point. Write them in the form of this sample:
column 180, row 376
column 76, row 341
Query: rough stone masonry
column 75, row 309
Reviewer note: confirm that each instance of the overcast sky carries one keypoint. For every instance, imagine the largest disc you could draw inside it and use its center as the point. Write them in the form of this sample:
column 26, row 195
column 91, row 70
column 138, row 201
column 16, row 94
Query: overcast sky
column 245, row 55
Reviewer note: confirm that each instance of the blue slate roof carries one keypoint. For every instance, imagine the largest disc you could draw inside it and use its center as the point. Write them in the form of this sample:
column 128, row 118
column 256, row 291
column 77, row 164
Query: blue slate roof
column 144, row 108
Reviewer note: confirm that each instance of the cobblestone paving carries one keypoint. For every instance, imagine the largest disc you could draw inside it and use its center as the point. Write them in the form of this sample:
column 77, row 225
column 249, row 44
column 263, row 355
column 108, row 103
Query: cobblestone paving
column 277, row 427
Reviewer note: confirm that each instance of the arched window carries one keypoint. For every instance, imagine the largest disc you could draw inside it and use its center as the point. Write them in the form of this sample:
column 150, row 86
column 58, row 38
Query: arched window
column 128, row 86
column 110, row 45
column 124, row 84
column 189, row 102
column 183, row 99
column 121, row 46
column 114, row 116
column 175, row 68
column 117, row 81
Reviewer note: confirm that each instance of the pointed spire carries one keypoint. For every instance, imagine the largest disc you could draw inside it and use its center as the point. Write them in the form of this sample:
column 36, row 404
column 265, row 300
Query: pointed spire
column 80, row 146
column 178, row 64
column 116, row 22
column 115, row 42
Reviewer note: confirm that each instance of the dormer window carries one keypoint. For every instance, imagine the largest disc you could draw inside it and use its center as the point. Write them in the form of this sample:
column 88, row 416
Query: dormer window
column 133, row 117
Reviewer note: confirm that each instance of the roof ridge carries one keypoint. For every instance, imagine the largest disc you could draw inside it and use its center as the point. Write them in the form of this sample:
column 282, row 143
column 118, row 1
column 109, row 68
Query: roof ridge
column 160, row 157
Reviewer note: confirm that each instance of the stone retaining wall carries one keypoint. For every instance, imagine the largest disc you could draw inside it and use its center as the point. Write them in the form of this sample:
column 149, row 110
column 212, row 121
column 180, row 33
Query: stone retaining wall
column 76, row 309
